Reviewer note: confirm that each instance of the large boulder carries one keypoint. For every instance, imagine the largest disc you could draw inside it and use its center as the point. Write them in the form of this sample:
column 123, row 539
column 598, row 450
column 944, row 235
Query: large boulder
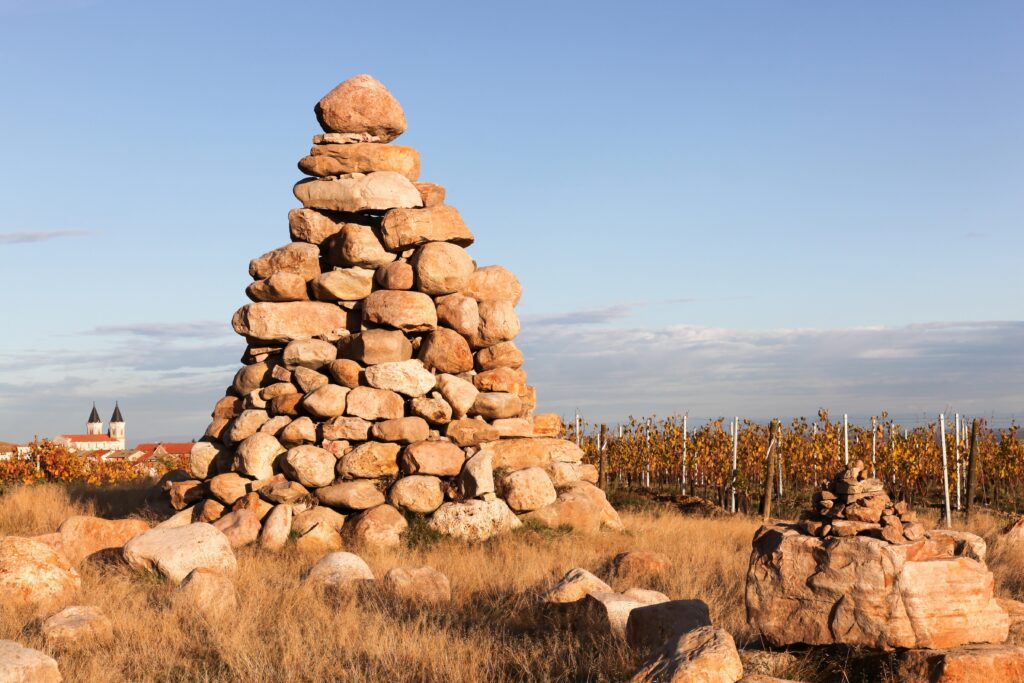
column 474, row 520
column 418, row 584
column 310, row 466
column 361, row 104
column 864, row 591
column 276, row 528
column 377, row 191
column 370, row 347
column 286, row 321
column 24, row 665
column 441, row 268
column 173, row 553
column 381, row 526
column 359, row 494
column 417, row 493
column 518, row 454
column 357, row 245
column 651, row 625
column 256, row 455
column 433, row 456
column 528, row 489
column 402, row 310
column 361, row 157
column 370, row 460
column 297, row 258
column 35, row 576
column 608, row 612
column 493, row 283
column 78, row 628
column 965, row 664
column 339, row 571
column 82, row 536
column 446, row 351
column 241, row 527
column 704, row 655
column 407, row 377
column 459, row 393
column 209, row 593
column 373, row 404
column 575, row 585
column 404, row 228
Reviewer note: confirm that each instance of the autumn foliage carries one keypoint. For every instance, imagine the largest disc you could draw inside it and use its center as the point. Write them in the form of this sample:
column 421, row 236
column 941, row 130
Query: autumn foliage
column 47, row 461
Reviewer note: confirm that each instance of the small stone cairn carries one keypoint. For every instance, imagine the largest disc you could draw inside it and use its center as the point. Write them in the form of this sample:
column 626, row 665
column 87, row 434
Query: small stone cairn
column 855, row 504
column 381, row 375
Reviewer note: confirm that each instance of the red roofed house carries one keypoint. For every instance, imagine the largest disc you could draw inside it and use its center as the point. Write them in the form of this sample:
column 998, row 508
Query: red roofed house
column 163, row 449
column 94, row 439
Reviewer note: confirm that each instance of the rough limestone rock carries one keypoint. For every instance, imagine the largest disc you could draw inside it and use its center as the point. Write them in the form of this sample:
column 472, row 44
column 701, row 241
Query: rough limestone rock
column 655, row 623
column 705, row 655
column 965, row 664
column 641, row 564
column 34, row 576
column 381, row 376
column 574, row 586
column 339, row 571
column 607, row 612
column 418, row 584
column 24, row 665
column 866, row 591
column 82, row 536
column 241, row 527
column 78, row 628
column 361, row 104
column 474, row 520
column 173, row 553
column 208, row 592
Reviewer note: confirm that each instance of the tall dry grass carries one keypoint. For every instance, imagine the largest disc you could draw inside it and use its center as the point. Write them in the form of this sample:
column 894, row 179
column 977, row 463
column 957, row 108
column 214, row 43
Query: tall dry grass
column 492, row 630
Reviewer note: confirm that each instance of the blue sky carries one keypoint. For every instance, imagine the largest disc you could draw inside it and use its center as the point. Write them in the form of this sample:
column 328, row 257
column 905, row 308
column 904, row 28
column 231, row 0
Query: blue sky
column 721, row 208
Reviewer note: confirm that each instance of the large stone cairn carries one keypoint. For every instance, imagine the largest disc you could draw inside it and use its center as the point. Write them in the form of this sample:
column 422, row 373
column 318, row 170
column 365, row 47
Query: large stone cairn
column 381, row 376
column 855, row 504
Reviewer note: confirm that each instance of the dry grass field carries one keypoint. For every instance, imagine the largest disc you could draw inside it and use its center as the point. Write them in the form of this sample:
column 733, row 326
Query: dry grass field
column 492, row 630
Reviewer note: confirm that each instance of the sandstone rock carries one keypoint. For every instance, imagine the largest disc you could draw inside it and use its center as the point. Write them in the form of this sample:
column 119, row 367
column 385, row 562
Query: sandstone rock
column 588, row 473
column 498, row 323
column 297, row 258
column 866, row 591
column 357, row 245
column 361, row 104
column 359, row 494
column 82, row 536
column 641, row 564
column 381, row 526
column 493, row 283
column 501, row 355
column 576, row 512
column 431, row 193
column 185, row 493
column 339, row 571
column 652, row 625
column 179, row 519
column 474, row 520
column 574, row 586
column 241, row 527
column 395, row 275
column 477, row 478
column 249, row 378
column 404, row 228
column 460, row 395
column 308, row 353
column 527, row 489
column 460, row 313
column 446, row 351
column 580, row 490
column 310, row 466
column 208, row 511
column 78, row 628
column 326, row 402
column 282, row 491
column 173, row 553
column 377, row 191
column 434, row 457
column 284, row 322
column 406, row 311
column 318, row 540
column 254, row 504
column 468, row 432
column 404, row 430
column 256, row 455
column 371, row 347
column 417, row 493
column 310, row 225
column 342, row 284
column 494, row 405
column 507, row 380
column 608, row 612
column 561, row 473
column 418, row 584
column 304, row 521
column 246, row 424
column 347, row 428
column 706, row 654
column 441, row 268
column 275, row 425
column 371, row 460
column 208, row 592
column 228, row 487
column 229, row 407
column 34, row 576
column 345, row 372
column 517, row 454
column 374, row 404
column 965, row 664
column 277, row 527
column 311, row 380
column 407, row 377
column 361, row 157
column 434, row 410
column 24, row 665
column 300, row 430
column 278, row 287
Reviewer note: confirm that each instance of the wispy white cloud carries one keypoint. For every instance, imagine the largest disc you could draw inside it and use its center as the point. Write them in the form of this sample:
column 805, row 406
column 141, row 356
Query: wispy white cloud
column 28, row 237
column 593, row 316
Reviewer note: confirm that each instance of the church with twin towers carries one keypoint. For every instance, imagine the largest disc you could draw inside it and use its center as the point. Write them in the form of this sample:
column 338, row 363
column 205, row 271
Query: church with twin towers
column 94, row 438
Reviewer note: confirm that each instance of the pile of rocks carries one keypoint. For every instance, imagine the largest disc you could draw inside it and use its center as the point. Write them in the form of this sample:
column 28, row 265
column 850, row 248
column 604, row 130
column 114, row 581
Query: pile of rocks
column 381, row 374
column 855, row 504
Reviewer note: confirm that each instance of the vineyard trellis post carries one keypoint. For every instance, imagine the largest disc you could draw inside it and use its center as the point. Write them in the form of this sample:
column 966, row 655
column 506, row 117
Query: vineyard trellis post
column 874, row 434
column 769, row 474
column 577, row 430
column 735, row 452
column 684, row 455
column 602, row 449
column 972, row 466
column 945, row 468
column 846, row 440
column 956, row 455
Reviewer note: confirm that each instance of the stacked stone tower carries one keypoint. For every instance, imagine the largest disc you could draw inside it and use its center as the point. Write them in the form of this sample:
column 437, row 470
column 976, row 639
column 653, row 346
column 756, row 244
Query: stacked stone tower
column 381, row 376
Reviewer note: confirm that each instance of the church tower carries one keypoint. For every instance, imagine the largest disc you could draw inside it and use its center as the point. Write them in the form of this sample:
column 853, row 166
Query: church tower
column 116, row 424
column 94, row 425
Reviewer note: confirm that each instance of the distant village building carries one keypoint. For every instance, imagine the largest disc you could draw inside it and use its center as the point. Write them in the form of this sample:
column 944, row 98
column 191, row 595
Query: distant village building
column 94, row 439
